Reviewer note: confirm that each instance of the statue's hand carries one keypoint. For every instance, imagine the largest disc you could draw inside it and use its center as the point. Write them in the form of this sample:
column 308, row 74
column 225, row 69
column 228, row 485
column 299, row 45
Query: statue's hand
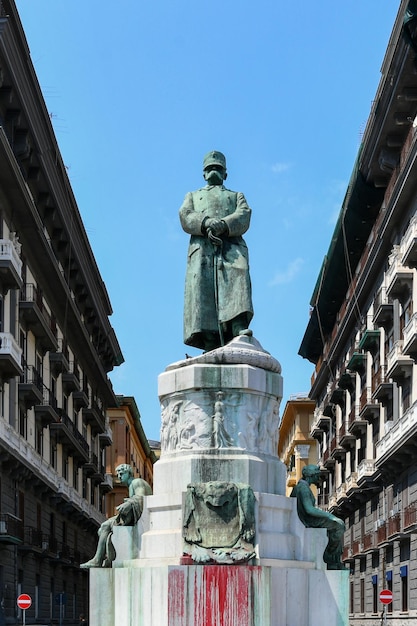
column 216, row 226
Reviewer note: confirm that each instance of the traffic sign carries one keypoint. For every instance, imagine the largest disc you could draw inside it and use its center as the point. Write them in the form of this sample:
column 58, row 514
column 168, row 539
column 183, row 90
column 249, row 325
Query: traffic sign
column 24, row 601
column 385, row 596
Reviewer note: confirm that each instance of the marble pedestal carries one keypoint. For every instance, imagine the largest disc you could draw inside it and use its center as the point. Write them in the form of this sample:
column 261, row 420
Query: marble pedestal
column 220, row 415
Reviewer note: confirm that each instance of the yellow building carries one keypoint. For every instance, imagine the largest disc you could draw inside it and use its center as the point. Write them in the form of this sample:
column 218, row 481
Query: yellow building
column 296, row 447
column 130, row 446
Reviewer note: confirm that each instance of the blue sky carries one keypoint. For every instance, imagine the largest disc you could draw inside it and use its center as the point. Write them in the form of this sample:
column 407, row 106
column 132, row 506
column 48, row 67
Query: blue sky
column 138, row 92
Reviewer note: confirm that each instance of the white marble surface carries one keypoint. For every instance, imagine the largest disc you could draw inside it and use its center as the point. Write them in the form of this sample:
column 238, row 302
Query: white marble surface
column 220, row 416
column 272, row 595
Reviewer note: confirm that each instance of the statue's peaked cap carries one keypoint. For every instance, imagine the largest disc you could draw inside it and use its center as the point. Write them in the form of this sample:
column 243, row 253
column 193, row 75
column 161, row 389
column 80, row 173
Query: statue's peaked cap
column 214, row 158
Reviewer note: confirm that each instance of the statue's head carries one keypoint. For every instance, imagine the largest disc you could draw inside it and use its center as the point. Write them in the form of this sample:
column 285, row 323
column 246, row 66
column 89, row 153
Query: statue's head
column 311, row 473
column 214, row 167
column 124, row 472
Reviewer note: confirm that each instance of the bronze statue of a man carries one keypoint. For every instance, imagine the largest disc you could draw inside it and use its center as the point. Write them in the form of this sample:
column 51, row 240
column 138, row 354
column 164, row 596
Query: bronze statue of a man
column 218, row 298
column 313, row 517
column 128, row 513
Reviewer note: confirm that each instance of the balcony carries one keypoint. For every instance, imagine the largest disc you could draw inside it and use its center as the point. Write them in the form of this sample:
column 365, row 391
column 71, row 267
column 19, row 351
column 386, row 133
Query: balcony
column 357, row 424
column 398, row 277
column 369, row 409
column 70, row 437
column 367, row 474
column 383, row 388
column 409, row 245
column 338, row 397
column 347, row 381
column 341, row 494
column 32, row 540
column 10, row 266
column 357, row 362
column 107, row 484
column 351, row 483
column 71, row 378
column 30, row 387
column 106, row 438
column 329, row 410
column 383, row 309
column 370, row 340
column 333, row 503
column 394, row 525
column 410, row 517
column 49, row 546
column 79, row 399
column 410, row 338
column 34, row 316
column 346, row 438
column 46, row 412
column 10, row 357
column 327, row 459
column 381, row 532
column 397, row 448
column 94, row 416
column 93, row 469
column 11, row 529
column 398, row 364
column 337, row 451
column 59, row 360
column 369, row 543
column 347, row 555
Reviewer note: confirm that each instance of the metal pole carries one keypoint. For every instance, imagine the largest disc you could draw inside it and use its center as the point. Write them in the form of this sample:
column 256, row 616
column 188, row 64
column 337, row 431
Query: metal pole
column 385, row 615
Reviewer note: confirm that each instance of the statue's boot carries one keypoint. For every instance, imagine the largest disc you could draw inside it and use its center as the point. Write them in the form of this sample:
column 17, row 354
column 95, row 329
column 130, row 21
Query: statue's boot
column 91, row 563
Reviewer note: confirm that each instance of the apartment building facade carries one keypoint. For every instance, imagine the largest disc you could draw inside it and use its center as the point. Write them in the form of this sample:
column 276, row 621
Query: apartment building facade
column 57, row 347
column 362, row 338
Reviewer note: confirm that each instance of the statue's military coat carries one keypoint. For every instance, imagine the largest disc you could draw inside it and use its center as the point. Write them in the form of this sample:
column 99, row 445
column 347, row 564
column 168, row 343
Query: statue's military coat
column 217, row 285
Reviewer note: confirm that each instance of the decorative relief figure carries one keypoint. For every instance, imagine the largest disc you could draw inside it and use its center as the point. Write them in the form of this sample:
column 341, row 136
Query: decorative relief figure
column 220, row 419
column 170, row 425
column 188, row 438
column 248, row 437
column 219, row 522
column 220, row 436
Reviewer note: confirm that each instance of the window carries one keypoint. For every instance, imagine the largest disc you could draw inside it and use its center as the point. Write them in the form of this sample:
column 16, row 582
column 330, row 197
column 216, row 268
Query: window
column 22, row 423
column 39, row 440
column 389, row 340
column 53, row 454
column 23, row 345
column 75, row 476
column 362, row 592
column 404, row 587
column 351, row 597
column 406, row 393
column 37, row 595
column 389, row 586
column 65, row 465
column 375, row 595
column 21, row 507
column 39, row 365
